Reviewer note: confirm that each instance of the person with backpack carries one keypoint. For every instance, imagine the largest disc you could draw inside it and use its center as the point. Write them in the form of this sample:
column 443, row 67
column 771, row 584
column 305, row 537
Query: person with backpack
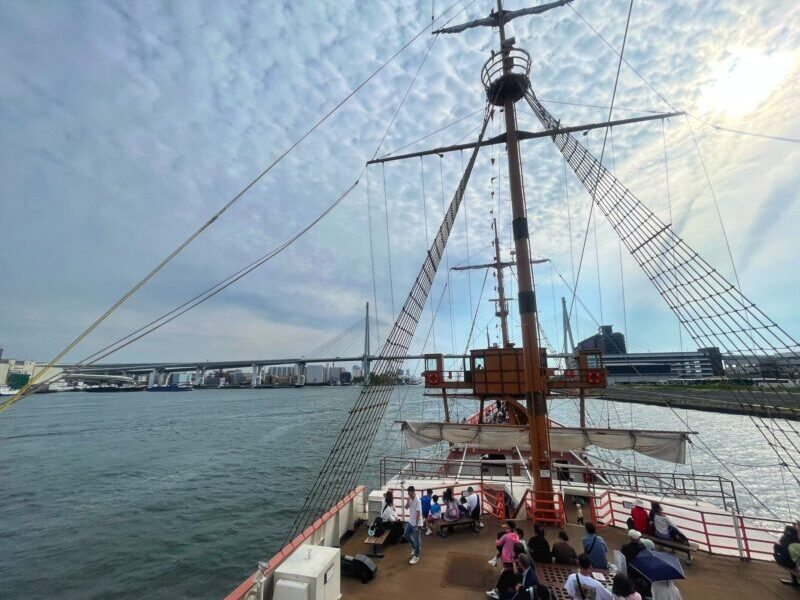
column 582, row 586
column 595, row 547
column 452, row 511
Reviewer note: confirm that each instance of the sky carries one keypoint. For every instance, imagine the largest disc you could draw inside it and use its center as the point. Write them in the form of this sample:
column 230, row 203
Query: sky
column 125, row 126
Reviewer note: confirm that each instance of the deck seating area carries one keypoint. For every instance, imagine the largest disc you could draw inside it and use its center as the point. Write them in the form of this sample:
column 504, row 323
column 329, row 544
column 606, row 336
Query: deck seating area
column 456, row 567
column 673, row 546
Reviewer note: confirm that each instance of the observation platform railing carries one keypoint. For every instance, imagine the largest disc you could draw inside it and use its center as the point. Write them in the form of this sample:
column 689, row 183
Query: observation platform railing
column 715, row 531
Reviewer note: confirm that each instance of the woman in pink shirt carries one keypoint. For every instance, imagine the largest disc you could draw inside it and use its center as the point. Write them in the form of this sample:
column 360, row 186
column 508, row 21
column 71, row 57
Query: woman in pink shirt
column 505, row 545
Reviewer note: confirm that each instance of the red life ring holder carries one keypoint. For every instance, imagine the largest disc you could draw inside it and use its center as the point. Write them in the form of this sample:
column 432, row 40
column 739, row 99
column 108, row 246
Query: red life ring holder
column 433, row 379
column 594, row 377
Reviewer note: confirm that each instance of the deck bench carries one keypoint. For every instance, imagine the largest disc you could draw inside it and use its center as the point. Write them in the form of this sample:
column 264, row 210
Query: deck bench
column 377, row 542
column 673, row 545
column 446, row 527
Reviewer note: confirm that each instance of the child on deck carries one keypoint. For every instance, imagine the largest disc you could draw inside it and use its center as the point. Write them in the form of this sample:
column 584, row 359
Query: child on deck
column 434, row 515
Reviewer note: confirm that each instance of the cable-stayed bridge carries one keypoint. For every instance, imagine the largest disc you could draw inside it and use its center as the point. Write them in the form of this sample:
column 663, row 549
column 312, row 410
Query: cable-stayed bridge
column 355, row 345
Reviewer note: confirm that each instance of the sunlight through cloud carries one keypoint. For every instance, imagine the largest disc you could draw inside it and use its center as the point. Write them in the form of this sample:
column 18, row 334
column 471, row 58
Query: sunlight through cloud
column 744, row 80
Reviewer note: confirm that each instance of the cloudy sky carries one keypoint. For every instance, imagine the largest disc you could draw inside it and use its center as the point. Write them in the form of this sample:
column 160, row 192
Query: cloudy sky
column 125, row 125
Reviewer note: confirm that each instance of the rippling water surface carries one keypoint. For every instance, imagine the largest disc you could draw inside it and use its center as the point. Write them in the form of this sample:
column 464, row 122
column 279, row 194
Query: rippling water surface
column 177, row 495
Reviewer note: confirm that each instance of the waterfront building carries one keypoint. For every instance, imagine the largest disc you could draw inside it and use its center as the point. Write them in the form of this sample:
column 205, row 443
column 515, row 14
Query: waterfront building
column 606, row 340
column 315, row 375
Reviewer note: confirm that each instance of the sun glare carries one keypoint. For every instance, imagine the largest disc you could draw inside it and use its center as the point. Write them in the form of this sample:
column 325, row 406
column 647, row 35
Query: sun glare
column 744, row 80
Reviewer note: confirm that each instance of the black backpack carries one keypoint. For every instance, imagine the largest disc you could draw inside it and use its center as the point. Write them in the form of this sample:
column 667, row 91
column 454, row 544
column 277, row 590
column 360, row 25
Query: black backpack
column 378, row 527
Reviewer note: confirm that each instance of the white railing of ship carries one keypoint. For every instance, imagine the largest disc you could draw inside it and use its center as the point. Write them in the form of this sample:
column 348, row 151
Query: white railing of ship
column 714, row 530
column 325, row 531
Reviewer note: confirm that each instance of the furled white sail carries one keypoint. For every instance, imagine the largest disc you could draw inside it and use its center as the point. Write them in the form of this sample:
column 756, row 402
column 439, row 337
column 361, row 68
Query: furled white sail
column 665, row 445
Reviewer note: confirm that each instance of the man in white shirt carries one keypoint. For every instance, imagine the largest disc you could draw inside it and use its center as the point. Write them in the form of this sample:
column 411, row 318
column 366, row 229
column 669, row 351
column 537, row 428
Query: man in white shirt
column 582, row 586
column 474, row 506
column 414, row 524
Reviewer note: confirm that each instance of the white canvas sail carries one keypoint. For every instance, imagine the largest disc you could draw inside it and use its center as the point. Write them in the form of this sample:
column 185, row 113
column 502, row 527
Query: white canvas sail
column 664, row 445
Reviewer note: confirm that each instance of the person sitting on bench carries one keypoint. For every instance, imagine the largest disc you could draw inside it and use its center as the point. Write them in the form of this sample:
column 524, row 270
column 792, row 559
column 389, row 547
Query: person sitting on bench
column 474, row 505
column 390, row 519
column 451, row 510
column 665, row 530
column 540, row 547
column 434, row 515
column 787, row 551
column 631, row 550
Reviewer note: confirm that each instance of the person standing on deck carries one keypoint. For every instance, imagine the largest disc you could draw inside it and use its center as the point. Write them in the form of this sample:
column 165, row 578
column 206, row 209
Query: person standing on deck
column 595, row 547
column 579, row 511
column 425, row 501
column 414, row 524
column 505, row 545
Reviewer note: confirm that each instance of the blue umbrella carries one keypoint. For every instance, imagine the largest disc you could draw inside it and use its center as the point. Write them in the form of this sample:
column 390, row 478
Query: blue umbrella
column 657, row 566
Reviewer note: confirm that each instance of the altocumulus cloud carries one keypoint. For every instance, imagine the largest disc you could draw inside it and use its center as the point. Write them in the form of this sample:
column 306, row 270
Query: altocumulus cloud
column 125, row 125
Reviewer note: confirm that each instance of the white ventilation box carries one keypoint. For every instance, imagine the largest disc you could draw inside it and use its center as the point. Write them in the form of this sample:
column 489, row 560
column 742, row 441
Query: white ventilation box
column 310, row 573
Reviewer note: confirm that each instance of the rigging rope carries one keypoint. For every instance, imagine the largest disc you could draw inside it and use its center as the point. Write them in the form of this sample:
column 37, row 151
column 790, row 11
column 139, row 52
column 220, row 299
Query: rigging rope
column 388, row 239
column 466, row 233
column 427, row 242
column 196, row 300
column 712, row 309
column 372, row 260
column 447, row 264
column 593, row 191
column 345, row 462
column 36, row 376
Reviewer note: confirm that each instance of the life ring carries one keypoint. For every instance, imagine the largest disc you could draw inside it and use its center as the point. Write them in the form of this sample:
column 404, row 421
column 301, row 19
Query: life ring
column 433, row 379
column 594, row 377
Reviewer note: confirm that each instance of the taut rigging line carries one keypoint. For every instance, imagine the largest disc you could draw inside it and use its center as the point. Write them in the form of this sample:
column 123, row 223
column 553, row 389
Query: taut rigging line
column 35, row 378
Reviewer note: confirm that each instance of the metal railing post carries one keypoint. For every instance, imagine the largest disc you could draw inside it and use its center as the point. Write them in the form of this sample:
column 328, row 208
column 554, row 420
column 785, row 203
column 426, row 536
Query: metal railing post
column 738, row 535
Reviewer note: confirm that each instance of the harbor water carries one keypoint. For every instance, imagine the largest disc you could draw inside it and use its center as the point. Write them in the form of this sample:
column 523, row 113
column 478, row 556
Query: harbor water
column 177, row 495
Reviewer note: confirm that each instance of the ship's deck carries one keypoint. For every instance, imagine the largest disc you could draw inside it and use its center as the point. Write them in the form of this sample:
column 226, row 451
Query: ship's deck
column 456, row 567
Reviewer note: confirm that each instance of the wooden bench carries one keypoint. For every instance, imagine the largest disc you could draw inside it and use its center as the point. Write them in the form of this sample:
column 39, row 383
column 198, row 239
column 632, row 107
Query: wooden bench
column 446, row 527
column 673, row 545
column 377, row 542
column 794, row 576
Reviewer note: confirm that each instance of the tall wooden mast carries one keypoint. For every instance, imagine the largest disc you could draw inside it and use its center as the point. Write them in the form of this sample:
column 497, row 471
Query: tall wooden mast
column 535, row 380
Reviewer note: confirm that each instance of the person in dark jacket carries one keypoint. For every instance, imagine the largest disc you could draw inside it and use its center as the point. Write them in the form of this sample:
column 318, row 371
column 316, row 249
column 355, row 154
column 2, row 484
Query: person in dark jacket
column 563, row 553
column 539, row 546
column 528, row 575
column 780, row 551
